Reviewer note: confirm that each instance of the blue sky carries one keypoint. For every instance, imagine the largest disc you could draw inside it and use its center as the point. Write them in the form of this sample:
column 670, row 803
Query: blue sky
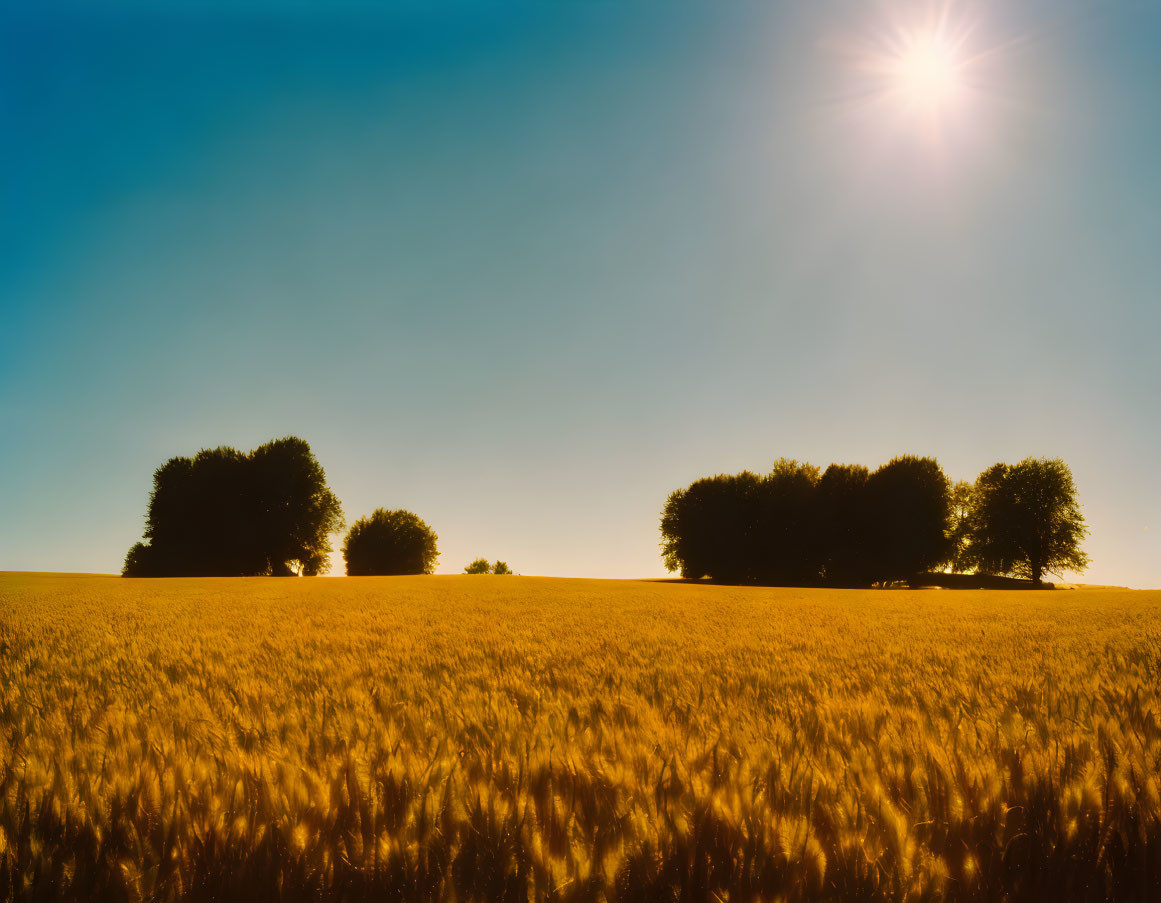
column 525, row 268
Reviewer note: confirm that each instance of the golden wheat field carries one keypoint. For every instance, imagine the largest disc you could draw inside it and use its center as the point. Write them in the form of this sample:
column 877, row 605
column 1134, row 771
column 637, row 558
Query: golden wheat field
column 508, row 738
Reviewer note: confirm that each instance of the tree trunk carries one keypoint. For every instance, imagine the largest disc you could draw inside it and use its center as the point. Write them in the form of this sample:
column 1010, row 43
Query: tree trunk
column 1037, row 573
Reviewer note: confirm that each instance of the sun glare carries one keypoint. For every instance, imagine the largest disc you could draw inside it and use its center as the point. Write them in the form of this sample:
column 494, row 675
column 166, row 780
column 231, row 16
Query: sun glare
column 917, row 73
column 927, row 75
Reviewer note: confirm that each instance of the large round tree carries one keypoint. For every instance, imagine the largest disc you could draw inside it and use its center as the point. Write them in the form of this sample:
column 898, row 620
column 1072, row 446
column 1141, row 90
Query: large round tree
column 389, row 543
column 1025, row 520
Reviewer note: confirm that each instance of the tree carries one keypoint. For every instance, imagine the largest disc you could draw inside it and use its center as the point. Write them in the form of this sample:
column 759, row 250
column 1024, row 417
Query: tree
column 782, row 543
column 963, row 496
column 1026, row 520
column 297, row 512
column 841, row 527
column 743, row 528
column 481, row 566
column 202, row 519
column 390, row 543
column 227, row 513
column 908, row 508
column 709, row 528
column 139, row 562
column 677, row 552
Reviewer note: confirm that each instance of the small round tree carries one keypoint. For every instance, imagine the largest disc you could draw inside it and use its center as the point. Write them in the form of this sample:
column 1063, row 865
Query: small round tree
column 389, row 543
column 479, row 566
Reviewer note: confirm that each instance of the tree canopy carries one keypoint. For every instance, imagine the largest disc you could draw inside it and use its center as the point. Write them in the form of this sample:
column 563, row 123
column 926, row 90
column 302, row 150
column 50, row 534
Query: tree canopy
column 228, row 513
column 390, row 543
column 1025, row 520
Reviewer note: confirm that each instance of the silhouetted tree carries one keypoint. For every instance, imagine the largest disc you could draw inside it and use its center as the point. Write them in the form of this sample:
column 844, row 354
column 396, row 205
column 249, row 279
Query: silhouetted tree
column 786, row 551
column 172, row 524
column 908, row 509
column 1026, row 520
column 501, row 567
column 202, row 519
column 140, row 562
column 297, row 512
column 741, row 528
column 390, row 543
column 710, row 528
column 226, row 513
column 842, row 526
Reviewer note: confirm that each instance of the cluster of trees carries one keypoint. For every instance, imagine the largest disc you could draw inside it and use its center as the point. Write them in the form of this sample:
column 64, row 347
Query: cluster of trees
column 226, row 513
column 481, row 566
column 848, row 526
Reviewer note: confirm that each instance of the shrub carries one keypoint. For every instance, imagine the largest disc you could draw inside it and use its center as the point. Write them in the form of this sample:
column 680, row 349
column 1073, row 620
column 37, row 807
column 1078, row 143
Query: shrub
column 481, row 566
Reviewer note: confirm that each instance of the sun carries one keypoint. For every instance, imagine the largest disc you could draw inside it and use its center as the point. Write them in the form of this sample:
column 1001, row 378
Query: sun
column 927, row 75
column 917, row 71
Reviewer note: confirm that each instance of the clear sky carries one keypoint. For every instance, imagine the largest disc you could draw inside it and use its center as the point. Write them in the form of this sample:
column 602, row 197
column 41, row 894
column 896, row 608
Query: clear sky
column 524, row 268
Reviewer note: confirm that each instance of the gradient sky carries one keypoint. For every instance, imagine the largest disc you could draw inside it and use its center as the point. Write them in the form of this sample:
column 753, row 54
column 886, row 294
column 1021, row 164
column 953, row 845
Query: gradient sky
column 524, row 268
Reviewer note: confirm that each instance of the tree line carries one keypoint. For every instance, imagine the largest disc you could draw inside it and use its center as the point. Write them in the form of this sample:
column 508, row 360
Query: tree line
column 849, row 526
column 269, row 512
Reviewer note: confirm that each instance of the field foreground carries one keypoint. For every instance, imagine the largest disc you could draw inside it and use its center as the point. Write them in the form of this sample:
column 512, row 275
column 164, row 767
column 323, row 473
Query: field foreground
column 508, row 738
